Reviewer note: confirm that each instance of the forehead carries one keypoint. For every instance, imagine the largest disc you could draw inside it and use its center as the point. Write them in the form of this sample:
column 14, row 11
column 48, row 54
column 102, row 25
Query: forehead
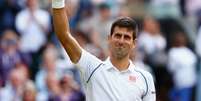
column 9, row 35
column 122, row 30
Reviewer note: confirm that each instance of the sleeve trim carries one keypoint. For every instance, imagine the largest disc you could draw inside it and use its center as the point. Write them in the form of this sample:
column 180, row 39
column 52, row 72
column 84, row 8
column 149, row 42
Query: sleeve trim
column 93, row 72
column 145, row 83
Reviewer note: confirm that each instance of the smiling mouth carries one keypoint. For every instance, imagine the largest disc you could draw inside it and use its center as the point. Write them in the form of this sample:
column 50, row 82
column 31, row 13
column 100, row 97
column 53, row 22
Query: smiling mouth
column 120, row 48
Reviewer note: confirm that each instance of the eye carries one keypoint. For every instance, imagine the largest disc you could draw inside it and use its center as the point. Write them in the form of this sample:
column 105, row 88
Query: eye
column 127, row 37
column 117, row 35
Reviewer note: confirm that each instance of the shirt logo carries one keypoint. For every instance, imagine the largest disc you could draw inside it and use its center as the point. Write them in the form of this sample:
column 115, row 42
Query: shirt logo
column 132, row 78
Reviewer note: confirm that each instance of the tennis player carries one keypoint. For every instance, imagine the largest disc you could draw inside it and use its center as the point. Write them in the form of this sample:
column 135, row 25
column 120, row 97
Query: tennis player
column 116, row 78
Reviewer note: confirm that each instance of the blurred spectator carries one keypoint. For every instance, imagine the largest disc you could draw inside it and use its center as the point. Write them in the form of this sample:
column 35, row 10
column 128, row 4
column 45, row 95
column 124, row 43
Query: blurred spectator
column 123, row 11
column 197, row 43
column 74, row 11
column 53, row 90
column 10, row 55
column 137, row 8
column 151, row 43
column 114, row 4
column 198, row 50
column 192, row 10
column 64, row 89
column 182, row 65
column 70, row 91
column 165, row 8
column 87, row 44
column 48, row 65
column 45, row 4
column 13, row 89
column 193, row 7
column 98, row 26
column 33, row 24
column 29, row 92
column 24, row 70
column 8, row 11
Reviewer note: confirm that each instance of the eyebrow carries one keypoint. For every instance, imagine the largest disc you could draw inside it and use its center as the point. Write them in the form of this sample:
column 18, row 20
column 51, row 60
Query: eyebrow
column 127, row 36
column 118, row 33
column 122, row 34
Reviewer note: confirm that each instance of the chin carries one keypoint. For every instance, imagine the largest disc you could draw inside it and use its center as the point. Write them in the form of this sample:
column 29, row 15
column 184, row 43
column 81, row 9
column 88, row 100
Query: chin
column 120, row 55
column 119, row 58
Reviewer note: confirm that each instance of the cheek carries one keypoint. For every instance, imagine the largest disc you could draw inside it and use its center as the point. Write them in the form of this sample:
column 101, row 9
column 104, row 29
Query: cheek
column 115, row 40
column 129, row 44
column 112, row 43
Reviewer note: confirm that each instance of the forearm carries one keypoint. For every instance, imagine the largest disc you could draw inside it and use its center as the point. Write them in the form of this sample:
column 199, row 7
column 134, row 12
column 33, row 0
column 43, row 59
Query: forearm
column 60, row 21
column 62, row 31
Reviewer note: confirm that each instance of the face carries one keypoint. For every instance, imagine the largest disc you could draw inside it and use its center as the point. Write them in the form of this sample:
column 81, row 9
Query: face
column 49, row 58
column 152, row 26
column 29, row 95
column 9, row 41
column 121, row 43
column 32, row 4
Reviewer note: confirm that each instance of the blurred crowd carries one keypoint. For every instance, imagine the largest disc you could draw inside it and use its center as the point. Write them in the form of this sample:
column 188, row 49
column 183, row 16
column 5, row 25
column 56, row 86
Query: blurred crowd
column 34, row 66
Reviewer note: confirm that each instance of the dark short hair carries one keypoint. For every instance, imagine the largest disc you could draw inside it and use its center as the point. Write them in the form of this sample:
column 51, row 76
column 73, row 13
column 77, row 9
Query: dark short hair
column 103, row 6
column 125, row 22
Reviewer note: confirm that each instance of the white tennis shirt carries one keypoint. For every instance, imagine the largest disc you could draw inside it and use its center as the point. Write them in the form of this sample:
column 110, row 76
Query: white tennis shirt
column 103, row 82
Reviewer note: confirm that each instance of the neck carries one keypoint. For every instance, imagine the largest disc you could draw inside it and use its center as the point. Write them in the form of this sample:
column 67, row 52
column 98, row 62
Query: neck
column 120, row 64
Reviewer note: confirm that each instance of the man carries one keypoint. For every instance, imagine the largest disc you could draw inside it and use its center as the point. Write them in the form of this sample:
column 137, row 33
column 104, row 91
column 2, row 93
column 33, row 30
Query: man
column 115, row 79
column 33, row 24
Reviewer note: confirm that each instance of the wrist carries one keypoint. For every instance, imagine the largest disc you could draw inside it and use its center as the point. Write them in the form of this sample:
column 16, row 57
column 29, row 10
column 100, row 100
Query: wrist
column 58, row 3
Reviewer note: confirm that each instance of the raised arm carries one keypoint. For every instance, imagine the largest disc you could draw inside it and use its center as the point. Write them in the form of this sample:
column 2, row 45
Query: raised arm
column 62, row 30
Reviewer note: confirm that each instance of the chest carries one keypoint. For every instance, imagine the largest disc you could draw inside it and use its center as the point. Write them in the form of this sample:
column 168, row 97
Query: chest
column 118, row 85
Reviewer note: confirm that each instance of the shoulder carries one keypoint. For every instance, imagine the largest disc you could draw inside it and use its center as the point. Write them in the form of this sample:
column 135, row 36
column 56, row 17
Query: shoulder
column 88, row 60
column 23, row 13
column 147, row 75
column 6, row 91
column 42, row 11
column 42, row 14
column 88, row 55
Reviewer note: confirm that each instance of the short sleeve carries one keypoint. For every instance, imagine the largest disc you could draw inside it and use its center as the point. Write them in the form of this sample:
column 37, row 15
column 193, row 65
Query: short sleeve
column 87, row 63
column 151, row 93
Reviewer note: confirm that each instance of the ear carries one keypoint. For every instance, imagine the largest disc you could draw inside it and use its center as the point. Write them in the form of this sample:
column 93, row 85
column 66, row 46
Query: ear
column 134, row 43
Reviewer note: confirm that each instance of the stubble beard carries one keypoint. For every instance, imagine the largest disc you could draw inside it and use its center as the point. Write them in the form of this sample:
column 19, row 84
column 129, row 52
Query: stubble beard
column 120, row 53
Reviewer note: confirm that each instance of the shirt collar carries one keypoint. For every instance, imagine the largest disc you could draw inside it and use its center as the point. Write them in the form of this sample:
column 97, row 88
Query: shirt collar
column 110, row 66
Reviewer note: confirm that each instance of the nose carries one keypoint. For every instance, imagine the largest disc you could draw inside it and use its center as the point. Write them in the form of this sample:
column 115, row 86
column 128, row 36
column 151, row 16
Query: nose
column 121, row 40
